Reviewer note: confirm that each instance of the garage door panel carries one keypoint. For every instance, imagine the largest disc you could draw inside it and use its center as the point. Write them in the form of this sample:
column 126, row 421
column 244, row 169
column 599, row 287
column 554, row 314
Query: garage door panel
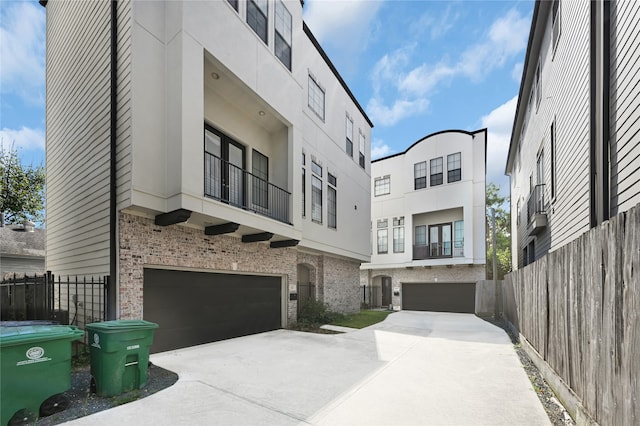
column 439, row 297
column 197, row 307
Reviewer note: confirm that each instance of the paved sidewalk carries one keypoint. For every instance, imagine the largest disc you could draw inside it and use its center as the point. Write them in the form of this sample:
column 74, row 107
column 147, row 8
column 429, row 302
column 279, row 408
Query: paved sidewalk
column 415, row 368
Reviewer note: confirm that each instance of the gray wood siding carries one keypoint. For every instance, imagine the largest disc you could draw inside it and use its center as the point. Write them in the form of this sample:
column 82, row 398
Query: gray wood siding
column 625, row 105
column 21, row 265
column 123, row 153
column 568, row 99
column 78, row 137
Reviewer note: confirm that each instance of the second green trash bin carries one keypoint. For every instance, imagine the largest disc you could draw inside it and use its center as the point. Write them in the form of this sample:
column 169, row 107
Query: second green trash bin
column 120, row 354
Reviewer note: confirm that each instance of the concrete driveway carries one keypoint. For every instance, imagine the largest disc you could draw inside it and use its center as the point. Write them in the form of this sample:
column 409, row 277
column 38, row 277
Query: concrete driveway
column 415, row 368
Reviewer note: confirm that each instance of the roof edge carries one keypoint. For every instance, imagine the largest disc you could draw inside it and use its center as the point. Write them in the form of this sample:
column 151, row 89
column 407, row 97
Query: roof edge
column 534, row 19
column 333, row 69
column 432, row 135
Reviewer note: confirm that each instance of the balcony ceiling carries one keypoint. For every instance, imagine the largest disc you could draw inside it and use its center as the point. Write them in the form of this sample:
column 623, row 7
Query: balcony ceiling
column 234, row 91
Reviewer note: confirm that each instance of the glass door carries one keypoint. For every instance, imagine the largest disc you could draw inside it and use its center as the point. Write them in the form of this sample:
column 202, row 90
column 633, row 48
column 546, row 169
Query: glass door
column 224, row 167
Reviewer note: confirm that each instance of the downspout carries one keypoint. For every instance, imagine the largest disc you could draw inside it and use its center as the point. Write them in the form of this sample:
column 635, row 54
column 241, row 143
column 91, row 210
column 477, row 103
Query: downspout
column 112, row 297
column 593, row 116
column 606, row 94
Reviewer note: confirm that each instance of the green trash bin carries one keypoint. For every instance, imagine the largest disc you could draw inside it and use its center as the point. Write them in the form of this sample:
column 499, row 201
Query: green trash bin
column 119, row 355
column 35, row 366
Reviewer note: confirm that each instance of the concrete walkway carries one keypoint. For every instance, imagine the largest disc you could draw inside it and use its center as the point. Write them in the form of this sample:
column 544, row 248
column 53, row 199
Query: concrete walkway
column 415, row 368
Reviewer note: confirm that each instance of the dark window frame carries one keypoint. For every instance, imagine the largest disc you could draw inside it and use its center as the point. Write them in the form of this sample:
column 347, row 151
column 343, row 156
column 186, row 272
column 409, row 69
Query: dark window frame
column 455, row 174
column 254, row 13
column 420, row 182
column 282, row 48
column 436, row 178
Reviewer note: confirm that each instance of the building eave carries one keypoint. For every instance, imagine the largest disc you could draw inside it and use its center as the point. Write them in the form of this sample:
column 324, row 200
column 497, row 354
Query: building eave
column 335, row 72
column 430, row 136
column 540, row 12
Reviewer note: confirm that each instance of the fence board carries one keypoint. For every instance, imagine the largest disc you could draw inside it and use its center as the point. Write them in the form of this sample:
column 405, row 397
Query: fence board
column 579, row 307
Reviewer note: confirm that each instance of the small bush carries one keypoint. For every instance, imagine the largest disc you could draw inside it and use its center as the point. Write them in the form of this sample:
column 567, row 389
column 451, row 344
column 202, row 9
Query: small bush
column 314, row 312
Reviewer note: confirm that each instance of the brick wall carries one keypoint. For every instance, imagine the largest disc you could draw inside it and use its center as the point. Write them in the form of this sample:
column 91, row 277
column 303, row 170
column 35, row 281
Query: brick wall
column 336, row 280
column 142, row 243
column 443, row 274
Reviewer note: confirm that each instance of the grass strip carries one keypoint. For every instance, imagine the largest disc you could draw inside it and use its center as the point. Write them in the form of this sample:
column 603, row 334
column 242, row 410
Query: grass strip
column 362, row 319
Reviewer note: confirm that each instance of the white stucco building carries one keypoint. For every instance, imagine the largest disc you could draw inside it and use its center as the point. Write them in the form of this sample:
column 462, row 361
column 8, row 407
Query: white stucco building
column 428, row 224
column 208, row 157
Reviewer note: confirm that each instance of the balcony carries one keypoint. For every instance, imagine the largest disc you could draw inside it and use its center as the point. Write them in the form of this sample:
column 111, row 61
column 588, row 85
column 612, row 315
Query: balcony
column 235, row 186
column 536, row 211
column 438, row 250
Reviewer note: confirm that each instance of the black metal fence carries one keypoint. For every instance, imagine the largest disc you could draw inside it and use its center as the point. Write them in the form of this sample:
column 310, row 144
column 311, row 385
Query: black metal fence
column 70, row 301
column 371, row 296
column 231, row 184
column 306, row 292
column 535, row 203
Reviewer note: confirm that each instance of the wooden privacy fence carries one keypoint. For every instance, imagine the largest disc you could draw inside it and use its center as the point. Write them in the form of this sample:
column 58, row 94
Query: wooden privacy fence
column 579, row 307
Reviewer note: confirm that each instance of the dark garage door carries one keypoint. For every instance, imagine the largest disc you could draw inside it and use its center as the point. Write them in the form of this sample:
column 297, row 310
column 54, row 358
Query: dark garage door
column 439, row 297
column 198, row 307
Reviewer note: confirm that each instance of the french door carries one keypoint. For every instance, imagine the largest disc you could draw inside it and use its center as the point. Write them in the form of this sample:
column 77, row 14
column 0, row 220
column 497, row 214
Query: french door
column 440, row 240
column 224, row 167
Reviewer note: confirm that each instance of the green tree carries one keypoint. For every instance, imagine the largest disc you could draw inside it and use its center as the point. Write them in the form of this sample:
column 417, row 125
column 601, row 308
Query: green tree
column 503, row 232
column 21, row 189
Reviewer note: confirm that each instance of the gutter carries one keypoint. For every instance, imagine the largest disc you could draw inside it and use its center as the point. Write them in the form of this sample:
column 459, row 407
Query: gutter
column 112, row 298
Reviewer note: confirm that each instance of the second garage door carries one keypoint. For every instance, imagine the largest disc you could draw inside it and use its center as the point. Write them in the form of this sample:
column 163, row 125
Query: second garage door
column 439, row 297
column 198, row 307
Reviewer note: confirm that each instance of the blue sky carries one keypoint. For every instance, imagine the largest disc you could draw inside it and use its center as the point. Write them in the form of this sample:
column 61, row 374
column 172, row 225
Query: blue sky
column 416, row 67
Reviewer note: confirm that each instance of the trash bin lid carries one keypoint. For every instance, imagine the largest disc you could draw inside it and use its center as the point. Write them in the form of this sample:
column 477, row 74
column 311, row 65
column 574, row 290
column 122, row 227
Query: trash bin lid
column 121, row 325
column 37, row 333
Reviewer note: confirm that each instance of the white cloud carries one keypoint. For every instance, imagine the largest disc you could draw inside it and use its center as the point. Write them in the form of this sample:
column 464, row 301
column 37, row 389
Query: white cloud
column 348, row 25
column 390, row 115
column 379, row 149
column 22, row 49
column 499, row 123
column 507, row 37
column 407, row 90
column 25, row 138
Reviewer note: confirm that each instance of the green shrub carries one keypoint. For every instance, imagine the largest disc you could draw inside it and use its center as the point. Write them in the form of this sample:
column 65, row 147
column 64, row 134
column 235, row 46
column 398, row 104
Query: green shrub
column 314, row 312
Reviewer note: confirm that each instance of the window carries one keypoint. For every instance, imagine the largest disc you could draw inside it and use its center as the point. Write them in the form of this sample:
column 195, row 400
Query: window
column 331, row 201
column 361, row 157
column 540, row 169
column 304, row 192
column 518, row 212
column 440, row 240
column 553, row 159
column 458, row 238
column 316, row 98
column 454, row 168
column 234, row 3
column 420, row 175
column 436, row 172
column 420, row 238
column 260, row 187
column 349, row 132
column 283, row 34
column 382, row 186
column 257, row 12
column 304, row 185
column 398, row 234
column 316, row 168
column 316, row 199
column 555, row 19
column 538, row 86
column 383, row 236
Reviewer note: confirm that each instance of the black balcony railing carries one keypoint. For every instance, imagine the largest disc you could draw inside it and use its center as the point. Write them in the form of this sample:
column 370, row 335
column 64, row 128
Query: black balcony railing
column 439, row 250
column 231, row 184
column 535, row 203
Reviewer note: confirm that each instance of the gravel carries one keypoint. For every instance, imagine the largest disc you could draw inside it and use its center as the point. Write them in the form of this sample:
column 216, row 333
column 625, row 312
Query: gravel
column 84, row 402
